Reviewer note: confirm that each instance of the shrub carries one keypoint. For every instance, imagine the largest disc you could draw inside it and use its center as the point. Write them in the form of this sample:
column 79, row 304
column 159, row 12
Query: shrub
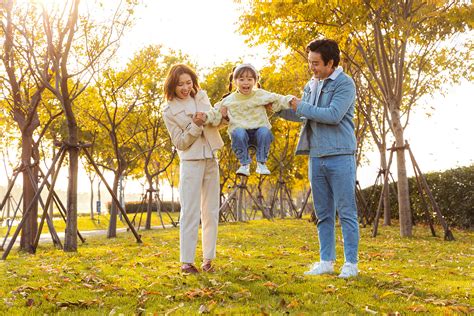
column 452, row 189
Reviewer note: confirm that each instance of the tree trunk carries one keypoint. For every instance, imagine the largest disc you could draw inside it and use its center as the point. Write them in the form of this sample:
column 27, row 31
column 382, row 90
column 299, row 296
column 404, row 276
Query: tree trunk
column 9, row 204
column 51, row 206
column 387, row 216
column 70, row 243
column 149, row 203
column 403, row 191
column 112, row 231
column 92, row 198
column 30, row 228
column 172, row 196
column 98, row 196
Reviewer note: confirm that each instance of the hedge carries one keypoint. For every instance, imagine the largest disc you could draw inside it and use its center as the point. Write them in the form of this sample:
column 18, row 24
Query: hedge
column 136, row 206
column 452, row 189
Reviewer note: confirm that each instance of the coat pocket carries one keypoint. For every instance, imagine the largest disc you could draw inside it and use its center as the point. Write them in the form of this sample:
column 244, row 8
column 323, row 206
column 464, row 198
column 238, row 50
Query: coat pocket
column 326, row 96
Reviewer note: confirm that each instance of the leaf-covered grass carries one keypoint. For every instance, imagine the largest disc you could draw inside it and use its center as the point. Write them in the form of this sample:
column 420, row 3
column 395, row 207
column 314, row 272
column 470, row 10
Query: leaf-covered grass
column 260, row 267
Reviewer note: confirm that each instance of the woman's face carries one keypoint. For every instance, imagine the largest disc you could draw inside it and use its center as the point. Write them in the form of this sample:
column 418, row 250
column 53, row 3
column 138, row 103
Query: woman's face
column 184, row 87
column 245, row 82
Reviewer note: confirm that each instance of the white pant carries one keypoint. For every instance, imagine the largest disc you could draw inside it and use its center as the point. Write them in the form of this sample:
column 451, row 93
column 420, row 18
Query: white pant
column 199, row 197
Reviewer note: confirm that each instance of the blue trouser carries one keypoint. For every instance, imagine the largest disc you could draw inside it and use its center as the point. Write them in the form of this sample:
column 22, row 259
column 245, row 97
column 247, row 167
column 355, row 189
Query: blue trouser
column 333, row 181
column 260, row 138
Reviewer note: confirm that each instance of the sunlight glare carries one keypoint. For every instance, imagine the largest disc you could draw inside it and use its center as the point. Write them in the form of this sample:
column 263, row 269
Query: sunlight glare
column 49, row 5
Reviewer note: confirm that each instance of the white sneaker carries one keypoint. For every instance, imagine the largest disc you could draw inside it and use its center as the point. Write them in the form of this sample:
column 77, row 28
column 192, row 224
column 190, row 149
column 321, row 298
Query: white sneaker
column 322, row 267
column 262, row 168
column 348, row 270
column 244, row 170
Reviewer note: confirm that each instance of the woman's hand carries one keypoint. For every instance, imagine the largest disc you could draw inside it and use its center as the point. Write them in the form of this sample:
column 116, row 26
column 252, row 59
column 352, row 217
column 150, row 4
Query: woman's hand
column 199, row 118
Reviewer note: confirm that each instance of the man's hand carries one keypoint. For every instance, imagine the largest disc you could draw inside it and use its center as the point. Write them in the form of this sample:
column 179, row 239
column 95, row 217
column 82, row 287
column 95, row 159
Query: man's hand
column 294, row 103
column 199, row 118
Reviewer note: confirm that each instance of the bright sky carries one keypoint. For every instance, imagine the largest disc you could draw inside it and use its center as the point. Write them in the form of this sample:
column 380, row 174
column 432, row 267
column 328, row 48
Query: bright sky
column 439, row 142
column 206, row 31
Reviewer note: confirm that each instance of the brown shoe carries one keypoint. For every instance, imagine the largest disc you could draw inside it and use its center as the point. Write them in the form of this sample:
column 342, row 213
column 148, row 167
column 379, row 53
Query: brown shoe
column 189, row 268
column 207, row 267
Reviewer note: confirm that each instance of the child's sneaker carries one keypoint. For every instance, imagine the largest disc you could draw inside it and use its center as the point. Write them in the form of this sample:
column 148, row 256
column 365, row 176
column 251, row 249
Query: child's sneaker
column 244, row 170
column 348, row 270
column 322, row 267
column 262, row 168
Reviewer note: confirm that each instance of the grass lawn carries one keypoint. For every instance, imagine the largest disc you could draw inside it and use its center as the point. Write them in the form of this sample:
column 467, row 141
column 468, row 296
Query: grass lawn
column 260, row 267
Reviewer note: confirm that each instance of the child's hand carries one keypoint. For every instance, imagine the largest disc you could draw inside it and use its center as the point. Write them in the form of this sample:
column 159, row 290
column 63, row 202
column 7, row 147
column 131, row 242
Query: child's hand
column 224, row 113
column 268, row 106
column 199, row 118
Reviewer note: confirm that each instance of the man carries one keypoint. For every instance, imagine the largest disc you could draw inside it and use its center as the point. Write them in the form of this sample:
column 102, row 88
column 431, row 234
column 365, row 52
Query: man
column 327, row 136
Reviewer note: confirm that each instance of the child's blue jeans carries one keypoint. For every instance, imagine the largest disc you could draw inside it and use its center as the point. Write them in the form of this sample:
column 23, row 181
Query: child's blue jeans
column 259, row 138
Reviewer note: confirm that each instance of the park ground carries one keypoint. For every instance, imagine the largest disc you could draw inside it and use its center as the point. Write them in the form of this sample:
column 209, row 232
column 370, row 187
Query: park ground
column 260, row 267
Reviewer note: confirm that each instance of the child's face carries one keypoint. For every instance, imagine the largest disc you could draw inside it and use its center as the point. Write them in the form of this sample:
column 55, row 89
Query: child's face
column 245, row 82
column 184, row 87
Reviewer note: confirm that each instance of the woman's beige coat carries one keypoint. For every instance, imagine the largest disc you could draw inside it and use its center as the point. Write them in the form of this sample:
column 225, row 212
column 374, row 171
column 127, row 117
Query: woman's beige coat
column 188, row 138
column 198, row 176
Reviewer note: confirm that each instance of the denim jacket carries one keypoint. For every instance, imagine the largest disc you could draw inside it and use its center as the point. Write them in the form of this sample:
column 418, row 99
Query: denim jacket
column 328, row 128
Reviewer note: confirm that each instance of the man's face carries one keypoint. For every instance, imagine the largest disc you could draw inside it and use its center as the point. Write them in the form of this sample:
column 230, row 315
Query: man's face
column 317, row 67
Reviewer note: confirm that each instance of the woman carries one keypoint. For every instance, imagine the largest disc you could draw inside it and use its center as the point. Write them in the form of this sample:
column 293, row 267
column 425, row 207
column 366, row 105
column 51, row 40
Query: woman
column 199, row 171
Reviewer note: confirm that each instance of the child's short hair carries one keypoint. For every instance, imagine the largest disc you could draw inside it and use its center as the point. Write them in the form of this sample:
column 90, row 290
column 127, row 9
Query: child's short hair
column 240, row 69
column 172, row 80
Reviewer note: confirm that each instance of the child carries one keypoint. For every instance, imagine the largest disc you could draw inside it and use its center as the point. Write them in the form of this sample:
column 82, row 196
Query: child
column 245, row 112
column 198, row 170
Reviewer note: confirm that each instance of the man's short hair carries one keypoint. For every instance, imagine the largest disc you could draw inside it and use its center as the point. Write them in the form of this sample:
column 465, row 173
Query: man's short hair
column 328, row 49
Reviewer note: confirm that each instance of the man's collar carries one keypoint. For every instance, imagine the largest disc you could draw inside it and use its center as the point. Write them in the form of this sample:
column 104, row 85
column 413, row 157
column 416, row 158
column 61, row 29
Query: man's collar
column 336, row 73
column 333, row 76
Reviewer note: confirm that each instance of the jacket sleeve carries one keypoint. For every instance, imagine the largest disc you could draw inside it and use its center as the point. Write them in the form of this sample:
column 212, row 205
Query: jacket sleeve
column 279, row 102
column 214, row 116
column 289, row 115
column 343, row 98
column 181, row 139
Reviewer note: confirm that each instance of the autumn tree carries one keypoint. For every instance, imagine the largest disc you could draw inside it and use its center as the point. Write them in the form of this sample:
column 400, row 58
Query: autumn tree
column 53, row 129
column 286, row 75
column 118, row 114
column 78, row 44
column 216, row 81
column 408, row 48
column 20, row 50
column 374, row 114
column 8, row 144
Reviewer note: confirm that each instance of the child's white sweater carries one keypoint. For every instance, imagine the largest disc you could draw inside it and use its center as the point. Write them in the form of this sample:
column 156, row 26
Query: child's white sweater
column 247, row 111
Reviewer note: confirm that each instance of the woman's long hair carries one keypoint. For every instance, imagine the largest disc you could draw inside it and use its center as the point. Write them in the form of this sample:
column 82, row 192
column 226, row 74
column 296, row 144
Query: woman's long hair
column 172, row 80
